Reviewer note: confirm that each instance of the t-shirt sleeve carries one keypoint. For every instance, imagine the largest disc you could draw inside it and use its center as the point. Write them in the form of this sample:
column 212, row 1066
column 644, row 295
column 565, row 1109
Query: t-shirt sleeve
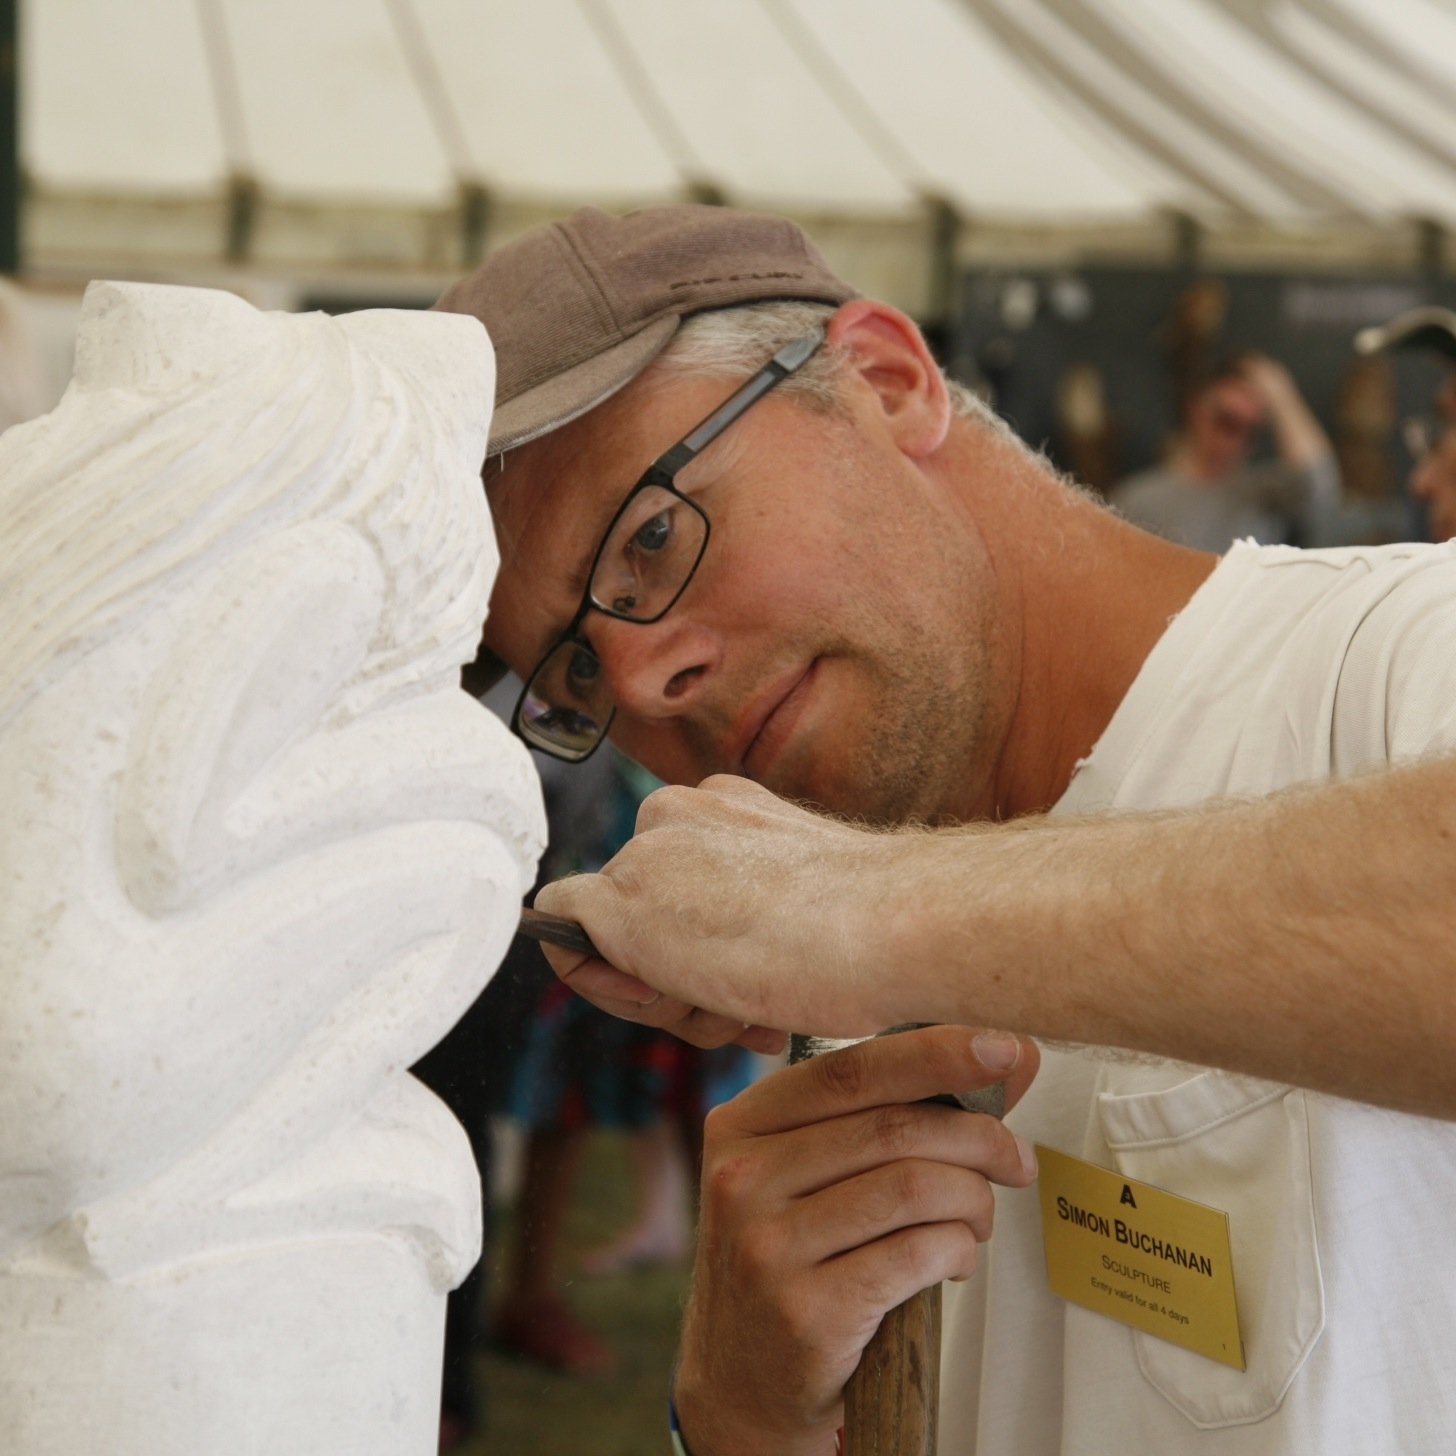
column 1397, row 686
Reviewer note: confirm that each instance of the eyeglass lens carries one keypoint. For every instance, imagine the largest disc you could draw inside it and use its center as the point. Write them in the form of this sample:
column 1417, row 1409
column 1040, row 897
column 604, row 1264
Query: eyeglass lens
column 648, row 555
column 1423, row 434
column 566, row 707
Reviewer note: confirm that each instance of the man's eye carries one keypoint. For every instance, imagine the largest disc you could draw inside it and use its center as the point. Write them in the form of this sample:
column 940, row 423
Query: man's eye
column 653, row 535
column 584, row 669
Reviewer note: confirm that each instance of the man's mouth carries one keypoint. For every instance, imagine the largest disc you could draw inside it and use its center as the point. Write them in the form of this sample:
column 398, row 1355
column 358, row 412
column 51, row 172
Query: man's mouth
column 771, row 723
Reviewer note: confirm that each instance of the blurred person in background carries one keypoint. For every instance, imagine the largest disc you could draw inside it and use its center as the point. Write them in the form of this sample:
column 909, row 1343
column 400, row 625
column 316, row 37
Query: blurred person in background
column 1210, row 491
column 1431, row 438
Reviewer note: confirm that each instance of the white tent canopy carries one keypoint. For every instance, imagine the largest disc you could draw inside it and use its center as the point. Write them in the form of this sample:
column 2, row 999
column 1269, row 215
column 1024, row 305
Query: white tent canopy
column 406, row 134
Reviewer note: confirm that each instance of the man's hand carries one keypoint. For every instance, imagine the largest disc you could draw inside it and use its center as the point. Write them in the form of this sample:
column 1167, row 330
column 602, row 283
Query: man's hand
column 734, row 915
column 1299, row 435
column 831, row 1195
column 1269, row 379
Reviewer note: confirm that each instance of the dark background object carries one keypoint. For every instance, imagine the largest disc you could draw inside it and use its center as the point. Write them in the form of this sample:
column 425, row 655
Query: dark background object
column 1020, row 332
column 10, row 179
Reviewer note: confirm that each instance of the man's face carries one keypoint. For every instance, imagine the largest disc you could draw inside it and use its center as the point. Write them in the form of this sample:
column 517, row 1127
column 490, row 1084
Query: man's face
column 1223, row 423
column 1433, row 477
column 1433, row 481
column 818, row 649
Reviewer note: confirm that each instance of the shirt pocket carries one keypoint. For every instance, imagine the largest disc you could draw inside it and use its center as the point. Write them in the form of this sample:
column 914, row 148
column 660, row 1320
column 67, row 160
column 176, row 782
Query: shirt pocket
column 1240, row 1145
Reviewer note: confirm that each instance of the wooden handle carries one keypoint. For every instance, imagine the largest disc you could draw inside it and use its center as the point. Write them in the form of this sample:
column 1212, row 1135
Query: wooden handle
column 891, row 1400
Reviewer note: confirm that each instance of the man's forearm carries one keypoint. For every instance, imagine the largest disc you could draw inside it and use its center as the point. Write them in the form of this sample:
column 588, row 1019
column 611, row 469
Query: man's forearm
column 1309, row 937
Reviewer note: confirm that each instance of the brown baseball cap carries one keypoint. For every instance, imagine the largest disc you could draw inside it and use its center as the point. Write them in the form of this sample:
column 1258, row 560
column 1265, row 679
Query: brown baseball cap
column 579, row 308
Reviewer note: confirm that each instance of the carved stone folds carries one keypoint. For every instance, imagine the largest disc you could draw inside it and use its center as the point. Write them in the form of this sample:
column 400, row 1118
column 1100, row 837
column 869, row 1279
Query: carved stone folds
column 258, row 854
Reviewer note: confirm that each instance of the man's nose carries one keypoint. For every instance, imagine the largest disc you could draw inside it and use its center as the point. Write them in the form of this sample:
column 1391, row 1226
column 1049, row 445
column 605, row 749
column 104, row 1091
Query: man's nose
column 656, row 669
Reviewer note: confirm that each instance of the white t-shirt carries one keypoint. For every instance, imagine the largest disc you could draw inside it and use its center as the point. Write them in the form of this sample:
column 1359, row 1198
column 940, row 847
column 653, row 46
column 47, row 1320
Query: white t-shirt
column 1286, row 667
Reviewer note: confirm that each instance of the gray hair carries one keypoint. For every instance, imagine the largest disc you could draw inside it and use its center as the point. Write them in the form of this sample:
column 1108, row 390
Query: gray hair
column 736, row 341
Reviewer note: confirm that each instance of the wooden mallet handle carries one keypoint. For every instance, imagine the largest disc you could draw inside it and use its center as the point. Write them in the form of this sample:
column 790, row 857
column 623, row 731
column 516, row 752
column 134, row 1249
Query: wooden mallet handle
column 891, row 1401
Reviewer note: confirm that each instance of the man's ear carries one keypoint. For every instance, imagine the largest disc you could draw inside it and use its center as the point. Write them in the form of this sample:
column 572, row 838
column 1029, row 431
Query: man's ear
column 890, row 357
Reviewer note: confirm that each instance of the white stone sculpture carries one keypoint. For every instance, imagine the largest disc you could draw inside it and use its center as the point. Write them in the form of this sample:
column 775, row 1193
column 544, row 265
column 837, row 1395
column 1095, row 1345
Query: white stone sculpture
column 258, row 853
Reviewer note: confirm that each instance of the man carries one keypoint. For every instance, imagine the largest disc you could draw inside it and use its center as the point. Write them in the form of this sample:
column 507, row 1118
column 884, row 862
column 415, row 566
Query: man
column 1431, row 438
column 847, row 581
column 1209, row 493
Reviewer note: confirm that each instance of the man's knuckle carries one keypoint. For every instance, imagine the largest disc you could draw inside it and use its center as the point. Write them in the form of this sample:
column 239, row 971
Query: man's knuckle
column 966, row 1254
column 919, row 1256
column 710, row 1030
column 912, row 1188
column 845, row 1074
column 688, row 1030
column 878, row 1207
column 911, row 1252
column 730, row 1182
column 718, row 1124
column 800, row 1316
column 895, row 1129
column 983, row 1210
column 661, row 805
column 722, row 783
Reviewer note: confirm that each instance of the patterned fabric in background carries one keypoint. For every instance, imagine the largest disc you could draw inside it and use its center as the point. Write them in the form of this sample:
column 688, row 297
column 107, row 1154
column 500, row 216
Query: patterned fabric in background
column 577, row 1066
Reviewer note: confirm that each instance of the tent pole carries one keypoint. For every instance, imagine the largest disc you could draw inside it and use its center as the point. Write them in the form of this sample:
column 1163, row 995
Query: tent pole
column 476, row 206
column 1187, row 242
column 701, row 190
column 1430, row 246
column 945, row 232
column 10, row 183
column 242, row 217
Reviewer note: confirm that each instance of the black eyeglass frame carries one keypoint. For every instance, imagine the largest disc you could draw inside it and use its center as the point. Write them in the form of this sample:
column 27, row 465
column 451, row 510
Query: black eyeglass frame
column 1423, row 434
column 662, row 474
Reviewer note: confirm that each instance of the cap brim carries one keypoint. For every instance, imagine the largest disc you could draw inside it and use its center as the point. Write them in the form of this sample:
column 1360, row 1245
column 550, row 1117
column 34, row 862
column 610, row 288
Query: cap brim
column 1422, row 328
column 569, row 395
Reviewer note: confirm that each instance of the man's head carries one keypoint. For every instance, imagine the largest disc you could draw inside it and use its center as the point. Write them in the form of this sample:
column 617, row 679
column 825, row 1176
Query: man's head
column 811, row 633
column 1222, row 419
column 1432, row 437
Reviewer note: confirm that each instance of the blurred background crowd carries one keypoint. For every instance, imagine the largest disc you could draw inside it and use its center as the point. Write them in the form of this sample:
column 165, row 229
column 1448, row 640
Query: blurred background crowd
column 1152, row 234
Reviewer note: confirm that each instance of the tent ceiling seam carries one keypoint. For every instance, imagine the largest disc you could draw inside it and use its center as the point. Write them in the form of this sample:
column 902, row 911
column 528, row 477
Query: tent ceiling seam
column 1259, row 20
column 1030, row 52
column 643, row 92
column 1364, row 38
column 227, row 95
column 846, row 97
column 434, row 94
column 1126, row 52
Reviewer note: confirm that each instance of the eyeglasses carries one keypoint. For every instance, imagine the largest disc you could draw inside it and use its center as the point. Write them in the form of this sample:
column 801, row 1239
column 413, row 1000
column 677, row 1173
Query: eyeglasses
column 1424, row 433
column 1228, row 422
column 642, row 566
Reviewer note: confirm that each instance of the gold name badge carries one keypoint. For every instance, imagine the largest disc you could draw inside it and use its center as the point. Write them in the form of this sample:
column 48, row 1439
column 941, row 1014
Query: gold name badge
column 1139, row 1255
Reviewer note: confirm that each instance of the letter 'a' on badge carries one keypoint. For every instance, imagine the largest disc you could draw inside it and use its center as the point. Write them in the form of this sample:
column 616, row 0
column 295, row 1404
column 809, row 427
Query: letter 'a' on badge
column 1140, row 1255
